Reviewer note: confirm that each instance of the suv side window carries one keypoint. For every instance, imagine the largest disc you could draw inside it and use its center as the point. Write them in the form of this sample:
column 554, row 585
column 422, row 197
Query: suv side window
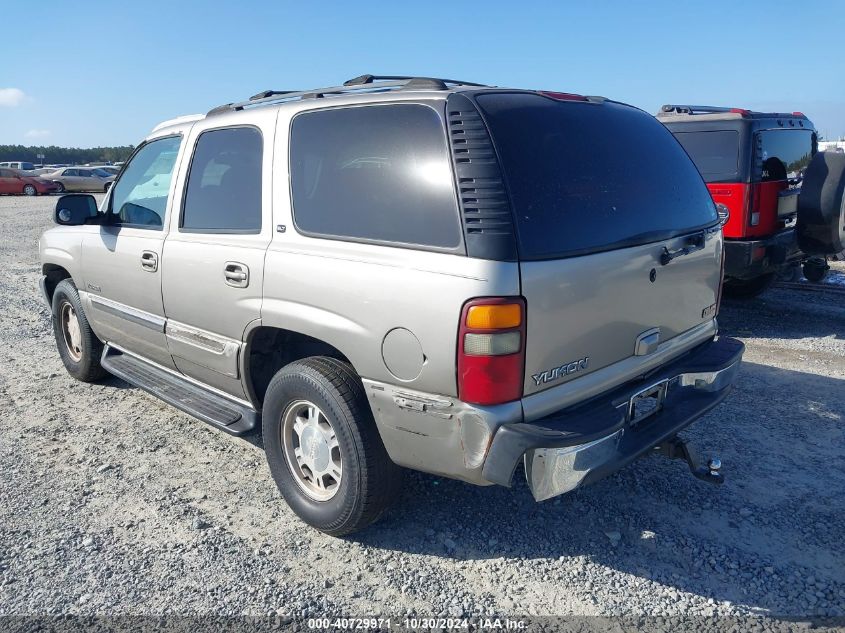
column 70, row 172
column 374, row 173
column 223, row 193
column 139, row 197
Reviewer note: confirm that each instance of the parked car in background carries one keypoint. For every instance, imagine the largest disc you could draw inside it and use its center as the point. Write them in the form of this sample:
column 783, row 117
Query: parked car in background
column 566, row 320
column 765, row 169
column 17, row 164
column 13, row 181
column 81, row 179
column 112, row 169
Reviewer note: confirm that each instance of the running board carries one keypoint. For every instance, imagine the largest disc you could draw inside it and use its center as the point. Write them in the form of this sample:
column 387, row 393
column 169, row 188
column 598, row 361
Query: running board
column 216, row 410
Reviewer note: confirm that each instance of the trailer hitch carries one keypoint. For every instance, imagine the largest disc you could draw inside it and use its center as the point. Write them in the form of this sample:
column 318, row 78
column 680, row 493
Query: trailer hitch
column 677, row 448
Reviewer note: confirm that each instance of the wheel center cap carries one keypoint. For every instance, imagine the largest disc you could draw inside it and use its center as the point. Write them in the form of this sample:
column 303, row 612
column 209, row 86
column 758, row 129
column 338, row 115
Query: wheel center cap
column 315, row 448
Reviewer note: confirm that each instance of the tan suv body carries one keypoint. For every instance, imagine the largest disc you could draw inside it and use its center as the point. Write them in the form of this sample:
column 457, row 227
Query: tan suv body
column 406, row 272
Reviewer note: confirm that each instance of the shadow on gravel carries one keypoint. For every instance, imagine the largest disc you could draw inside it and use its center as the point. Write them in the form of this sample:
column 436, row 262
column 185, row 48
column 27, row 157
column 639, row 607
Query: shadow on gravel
column 785, row 314
column 754, row 540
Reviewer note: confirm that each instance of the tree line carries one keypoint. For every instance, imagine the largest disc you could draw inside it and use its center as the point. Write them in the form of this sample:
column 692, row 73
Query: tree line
column 70, row 155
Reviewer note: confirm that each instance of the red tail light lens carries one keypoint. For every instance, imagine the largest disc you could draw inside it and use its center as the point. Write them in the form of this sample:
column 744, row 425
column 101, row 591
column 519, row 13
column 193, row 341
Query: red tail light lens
column 562, row 96
column 491, row 350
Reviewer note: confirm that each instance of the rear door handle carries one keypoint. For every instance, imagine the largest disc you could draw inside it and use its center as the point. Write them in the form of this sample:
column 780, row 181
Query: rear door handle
column 236, row 274
column 149, row 261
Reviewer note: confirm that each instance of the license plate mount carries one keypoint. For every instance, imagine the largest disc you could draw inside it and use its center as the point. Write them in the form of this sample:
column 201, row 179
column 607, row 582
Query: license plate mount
column 647, row 402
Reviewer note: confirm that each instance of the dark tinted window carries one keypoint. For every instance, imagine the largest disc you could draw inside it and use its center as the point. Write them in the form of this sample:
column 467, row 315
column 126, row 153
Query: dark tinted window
column 716, row 153
column 783, row 154
column 587, row 177
column 374, row 173
column 224, row 184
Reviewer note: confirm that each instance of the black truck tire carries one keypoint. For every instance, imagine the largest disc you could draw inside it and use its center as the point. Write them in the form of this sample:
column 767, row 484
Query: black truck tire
column 79, row 348
column 367, row 481
column 821, row 206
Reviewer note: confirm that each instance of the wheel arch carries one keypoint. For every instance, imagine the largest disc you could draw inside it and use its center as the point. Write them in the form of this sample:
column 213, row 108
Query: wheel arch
column 268, row 348
column 53, row 275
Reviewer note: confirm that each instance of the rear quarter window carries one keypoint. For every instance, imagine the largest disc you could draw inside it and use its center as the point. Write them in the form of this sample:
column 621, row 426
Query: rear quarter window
column 374, row 173
column 586, row 177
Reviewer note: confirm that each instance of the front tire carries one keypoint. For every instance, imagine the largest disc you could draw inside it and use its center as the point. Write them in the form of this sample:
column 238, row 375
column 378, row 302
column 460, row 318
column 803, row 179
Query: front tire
column 748, row 288
column 106, row 187
column 60, row 188
column 323, row 447
column 79, row 348
column 30, row 190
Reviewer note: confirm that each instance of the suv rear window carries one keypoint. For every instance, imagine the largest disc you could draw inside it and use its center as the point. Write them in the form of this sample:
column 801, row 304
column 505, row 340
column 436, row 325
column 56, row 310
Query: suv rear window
column 715, row 153
column 783, row 154
column 374, row 173
column 586, row 177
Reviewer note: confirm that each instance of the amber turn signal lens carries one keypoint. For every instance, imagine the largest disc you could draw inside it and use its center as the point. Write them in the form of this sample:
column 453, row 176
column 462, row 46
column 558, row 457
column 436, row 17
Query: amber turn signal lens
column 494, row 317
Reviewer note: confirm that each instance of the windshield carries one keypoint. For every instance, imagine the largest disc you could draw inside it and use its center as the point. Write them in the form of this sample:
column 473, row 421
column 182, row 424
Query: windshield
column 586, row 177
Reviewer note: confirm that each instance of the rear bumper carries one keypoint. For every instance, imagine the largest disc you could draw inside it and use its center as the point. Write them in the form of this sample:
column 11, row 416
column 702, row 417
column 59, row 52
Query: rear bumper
column 583, row 444
column 746, row 259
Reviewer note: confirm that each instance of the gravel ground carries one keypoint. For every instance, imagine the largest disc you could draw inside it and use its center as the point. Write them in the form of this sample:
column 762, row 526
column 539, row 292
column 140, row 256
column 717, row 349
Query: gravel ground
column 114, row 503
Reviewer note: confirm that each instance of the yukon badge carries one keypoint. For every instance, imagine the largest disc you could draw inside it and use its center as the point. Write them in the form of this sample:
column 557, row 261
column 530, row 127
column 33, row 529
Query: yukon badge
column 557, row 373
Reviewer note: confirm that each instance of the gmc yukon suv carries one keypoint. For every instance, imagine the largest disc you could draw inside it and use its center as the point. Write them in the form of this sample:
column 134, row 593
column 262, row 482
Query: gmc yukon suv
column 406, row 272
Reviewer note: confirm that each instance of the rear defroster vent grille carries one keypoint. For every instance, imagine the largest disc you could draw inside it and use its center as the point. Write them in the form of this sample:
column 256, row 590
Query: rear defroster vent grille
column 485, row 208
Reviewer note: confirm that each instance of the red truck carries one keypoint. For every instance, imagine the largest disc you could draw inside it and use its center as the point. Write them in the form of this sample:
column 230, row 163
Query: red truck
column 781, row 193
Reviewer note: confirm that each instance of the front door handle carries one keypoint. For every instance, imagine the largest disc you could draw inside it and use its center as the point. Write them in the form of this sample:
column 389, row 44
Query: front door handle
column 149, row 261
column 236, row 274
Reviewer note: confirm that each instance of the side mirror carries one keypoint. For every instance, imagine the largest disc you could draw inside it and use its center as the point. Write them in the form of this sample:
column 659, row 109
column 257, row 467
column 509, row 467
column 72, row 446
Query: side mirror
column 724, row 213
column 75, row 209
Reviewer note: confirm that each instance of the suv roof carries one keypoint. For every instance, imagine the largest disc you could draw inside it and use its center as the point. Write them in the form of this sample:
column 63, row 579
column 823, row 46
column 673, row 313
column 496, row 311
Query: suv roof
column 690, row 113
column 362, row 83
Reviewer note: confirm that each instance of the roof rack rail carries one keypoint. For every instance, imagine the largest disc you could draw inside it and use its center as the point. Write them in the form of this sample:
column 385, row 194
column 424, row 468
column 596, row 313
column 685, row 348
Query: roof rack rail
column 368, row 79
column 269, row 93
column 364, row 83
column 691, row 109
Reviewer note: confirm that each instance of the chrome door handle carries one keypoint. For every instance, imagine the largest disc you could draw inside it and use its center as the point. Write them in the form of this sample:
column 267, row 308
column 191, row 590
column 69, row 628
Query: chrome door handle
column 149, row 261
column 236, row 274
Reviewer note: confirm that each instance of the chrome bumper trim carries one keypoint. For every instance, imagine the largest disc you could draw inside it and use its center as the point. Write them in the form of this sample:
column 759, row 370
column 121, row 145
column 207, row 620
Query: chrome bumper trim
column 554, row 471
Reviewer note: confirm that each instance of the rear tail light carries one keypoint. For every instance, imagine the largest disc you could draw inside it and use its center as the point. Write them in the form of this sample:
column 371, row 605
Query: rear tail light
column 491, row 350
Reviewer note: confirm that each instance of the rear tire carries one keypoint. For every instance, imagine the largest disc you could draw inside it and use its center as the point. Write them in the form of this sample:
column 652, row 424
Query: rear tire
column 366, row 481
column 748, row 288
column 106, row 187
column 815, row 269
column 79, row 348
column 821, row 205
column 30, row 190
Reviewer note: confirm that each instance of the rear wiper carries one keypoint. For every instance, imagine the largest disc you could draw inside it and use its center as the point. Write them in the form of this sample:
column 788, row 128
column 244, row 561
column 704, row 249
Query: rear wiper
column 695, row 243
